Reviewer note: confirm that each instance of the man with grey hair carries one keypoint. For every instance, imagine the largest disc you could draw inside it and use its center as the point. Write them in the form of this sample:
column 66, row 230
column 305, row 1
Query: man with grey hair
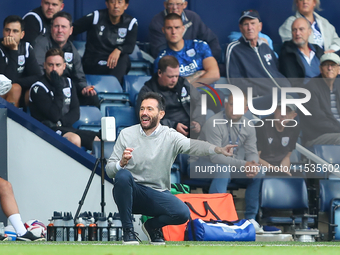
column 323, row 34
column 194, row 28
column 323, row 125
column 299, row 60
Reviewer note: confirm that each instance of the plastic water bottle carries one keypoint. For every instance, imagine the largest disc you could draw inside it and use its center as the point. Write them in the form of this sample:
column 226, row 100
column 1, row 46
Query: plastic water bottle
column 68, row 227
column 50, row 231
column 92, row 231
column 112, row 229
column 59, row 225
column 102, row 228
column 118, row 226
column 2, row 229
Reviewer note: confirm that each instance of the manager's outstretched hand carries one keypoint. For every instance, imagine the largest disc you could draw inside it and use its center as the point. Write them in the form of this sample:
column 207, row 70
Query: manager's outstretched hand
column 226, row 151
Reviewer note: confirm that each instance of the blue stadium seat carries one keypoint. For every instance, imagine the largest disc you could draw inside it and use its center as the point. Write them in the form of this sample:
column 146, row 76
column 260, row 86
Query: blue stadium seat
column 109, row 91
column 90, row 118
column 132, row 86
column 139, row 66
column 297, row 165
column 329, row 192
column 285, row 194
column 80, row 46
column 125, row 116
column 329, row 153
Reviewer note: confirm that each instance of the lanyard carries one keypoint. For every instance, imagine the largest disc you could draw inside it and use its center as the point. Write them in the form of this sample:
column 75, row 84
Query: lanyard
column 238, row 136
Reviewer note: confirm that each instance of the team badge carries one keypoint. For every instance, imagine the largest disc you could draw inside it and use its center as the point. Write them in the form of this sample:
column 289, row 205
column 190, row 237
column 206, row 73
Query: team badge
column 285, row 141
column 101, row 30
column 191, row 52
column 268, row 58
column 67, row 92
column 122, row 32
column 270, row 140
column 21, row 60
column 68, row 56
column 184, row 92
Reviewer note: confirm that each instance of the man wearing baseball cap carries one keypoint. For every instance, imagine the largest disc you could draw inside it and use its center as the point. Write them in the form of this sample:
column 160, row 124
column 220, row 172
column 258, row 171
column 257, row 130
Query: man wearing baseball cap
column 250, row 62
column 323, row 126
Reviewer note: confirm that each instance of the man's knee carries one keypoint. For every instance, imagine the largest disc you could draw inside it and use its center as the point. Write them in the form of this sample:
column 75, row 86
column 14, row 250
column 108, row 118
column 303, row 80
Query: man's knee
column 123, row 177
column 16, row 89
column 182, row 214
column 73, row 138
column 5, row 186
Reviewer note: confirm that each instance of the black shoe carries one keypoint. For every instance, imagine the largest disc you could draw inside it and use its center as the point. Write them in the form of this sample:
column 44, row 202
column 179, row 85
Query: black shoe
column 130, row 237
column 3, row 238
column 30, row 237
column 155, row 236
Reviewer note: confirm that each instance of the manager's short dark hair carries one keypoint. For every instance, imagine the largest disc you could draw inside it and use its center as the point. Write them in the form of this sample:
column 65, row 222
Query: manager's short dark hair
column 157, row 96
column 15, row 18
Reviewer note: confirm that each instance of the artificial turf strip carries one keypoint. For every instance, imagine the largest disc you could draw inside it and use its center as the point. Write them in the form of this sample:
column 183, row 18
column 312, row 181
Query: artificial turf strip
column 172, row 248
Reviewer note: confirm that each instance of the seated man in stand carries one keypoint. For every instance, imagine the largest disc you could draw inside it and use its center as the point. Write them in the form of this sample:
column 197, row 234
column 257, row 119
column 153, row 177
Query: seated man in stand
column 249, row 60
column 111, row 37
column 323, row 125
column 54, row 101
column 194, row 28
column 11, row 211
column 183, row 101
column 276, row 140
column 299, row 60
column 38, row 20
column 17, row 61
column 140, row 165
column 235, row 131
column 196, row 61
column 59, row 38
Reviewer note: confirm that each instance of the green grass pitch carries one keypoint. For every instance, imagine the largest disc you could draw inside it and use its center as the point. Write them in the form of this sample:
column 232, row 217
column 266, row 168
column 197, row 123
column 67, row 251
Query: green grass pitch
column 171, row 248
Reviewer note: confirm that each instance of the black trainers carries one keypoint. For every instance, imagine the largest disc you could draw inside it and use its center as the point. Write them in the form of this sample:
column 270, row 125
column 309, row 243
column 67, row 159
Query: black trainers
column 130, row 237
column 30, row 237
column 155, row 236
column 3, row 238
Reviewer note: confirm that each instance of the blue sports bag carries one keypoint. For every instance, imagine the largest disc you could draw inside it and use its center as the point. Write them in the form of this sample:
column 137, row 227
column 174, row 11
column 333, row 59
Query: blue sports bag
column 199, row 230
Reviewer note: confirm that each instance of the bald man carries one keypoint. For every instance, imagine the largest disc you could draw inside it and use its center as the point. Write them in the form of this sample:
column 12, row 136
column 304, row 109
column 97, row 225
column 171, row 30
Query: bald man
column 300, row 60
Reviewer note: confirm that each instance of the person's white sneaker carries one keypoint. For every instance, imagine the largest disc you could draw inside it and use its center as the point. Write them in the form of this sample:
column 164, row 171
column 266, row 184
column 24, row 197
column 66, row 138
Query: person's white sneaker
column 258, row 228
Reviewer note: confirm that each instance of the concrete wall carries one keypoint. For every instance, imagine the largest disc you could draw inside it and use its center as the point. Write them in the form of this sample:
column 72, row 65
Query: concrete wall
column 45, row 179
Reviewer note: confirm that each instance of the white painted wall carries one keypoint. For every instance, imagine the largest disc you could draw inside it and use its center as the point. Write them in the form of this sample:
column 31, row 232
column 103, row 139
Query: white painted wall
column 44, row 179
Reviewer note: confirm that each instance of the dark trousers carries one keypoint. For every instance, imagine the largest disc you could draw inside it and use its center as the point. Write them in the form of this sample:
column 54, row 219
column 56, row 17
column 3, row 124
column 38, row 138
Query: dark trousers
column 122, row 68
column 132, row 197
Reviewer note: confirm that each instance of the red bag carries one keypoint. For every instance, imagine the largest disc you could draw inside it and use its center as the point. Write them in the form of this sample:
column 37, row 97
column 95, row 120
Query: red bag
column 219, row 206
